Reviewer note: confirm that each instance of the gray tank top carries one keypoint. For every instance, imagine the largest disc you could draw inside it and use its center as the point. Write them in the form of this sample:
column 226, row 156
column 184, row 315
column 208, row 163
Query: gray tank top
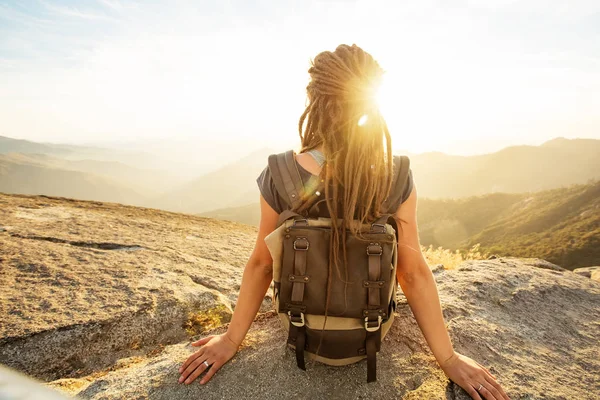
column 274, row 199
column 318, row 156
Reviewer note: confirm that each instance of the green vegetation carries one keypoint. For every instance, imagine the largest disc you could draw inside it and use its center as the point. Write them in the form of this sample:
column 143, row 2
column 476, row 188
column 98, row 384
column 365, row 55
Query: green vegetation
column 558, row 225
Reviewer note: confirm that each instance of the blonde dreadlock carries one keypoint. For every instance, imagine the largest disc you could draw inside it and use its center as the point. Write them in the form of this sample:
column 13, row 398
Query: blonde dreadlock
column 343, row 117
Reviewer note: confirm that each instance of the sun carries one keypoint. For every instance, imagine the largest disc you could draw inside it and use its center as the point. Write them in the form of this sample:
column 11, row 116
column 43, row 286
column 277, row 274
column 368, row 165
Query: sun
column 387, row 100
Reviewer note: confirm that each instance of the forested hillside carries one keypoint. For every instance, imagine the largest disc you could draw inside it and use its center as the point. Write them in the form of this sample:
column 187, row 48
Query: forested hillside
column 558, row 225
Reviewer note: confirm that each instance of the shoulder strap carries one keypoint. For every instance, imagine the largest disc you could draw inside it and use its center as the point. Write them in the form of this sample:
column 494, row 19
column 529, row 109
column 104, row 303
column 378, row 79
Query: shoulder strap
column 401, row 168
column 286, row 178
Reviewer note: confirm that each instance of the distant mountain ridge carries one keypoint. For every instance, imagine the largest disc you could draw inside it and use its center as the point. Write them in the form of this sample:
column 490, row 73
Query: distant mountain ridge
column 73, row 152
column 247, row 214
column 517, row 169
column 230, row 186
column 27, row 175
column 11, row 145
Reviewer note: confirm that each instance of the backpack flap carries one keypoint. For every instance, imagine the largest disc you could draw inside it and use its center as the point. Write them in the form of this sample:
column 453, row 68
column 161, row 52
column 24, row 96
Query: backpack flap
column 364, row 273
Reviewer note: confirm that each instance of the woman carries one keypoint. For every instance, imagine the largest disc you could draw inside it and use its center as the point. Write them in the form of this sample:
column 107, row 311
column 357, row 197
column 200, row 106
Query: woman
column 344, row 141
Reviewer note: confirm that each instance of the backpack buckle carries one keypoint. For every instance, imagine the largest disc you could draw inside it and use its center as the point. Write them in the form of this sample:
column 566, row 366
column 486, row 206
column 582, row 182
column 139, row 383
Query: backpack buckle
column 299, row 246
column 374, row 249
column 372, row 328
column 382, row 226
column 300, row 221
column 301, row 323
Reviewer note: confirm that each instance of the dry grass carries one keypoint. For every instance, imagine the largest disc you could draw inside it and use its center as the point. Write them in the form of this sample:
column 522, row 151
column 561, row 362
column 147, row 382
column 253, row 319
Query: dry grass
column 206, row 320
column 451, row 259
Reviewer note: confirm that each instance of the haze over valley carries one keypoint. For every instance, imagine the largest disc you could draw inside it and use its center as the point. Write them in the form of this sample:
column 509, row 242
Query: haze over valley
column 118, row 175
column 521, row 200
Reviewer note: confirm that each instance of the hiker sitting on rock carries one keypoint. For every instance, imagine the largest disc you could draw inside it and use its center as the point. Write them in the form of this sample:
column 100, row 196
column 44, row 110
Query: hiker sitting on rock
column 335, row 279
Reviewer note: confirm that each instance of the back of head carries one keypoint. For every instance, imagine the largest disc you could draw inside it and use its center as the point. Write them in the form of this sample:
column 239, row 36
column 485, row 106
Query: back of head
column 342, row 116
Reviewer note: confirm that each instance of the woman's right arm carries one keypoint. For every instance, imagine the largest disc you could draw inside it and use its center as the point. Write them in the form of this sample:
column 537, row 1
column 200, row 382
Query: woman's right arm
column 218, row 349
column 256, row 279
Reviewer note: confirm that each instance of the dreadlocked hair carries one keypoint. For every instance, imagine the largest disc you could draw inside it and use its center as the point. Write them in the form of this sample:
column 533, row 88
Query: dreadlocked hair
column 342, row 116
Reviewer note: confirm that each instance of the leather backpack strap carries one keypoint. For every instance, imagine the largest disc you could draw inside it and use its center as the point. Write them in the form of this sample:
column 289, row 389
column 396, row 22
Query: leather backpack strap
column 286, row 178
column 401, row 169
column 288, row 214
column 292, row 168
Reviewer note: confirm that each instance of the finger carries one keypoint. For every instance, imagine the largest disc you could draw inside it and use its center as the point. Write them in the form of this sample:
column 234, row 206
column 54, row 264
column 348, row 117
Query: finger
column 190, row 368
column 191, row 359
column 485, row 392
column 202, row 341
column 490, row 378
column 473, row 393
column 491, row 387
column 213, row 369
column 501, row 394
column 486, row 370
column 197, row 372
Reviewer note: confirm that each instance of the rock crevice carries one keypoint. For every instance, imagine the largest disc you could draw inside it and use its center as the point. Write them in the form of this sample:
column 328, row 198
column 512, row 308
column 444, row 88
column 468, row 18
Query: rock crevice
column 91, row 245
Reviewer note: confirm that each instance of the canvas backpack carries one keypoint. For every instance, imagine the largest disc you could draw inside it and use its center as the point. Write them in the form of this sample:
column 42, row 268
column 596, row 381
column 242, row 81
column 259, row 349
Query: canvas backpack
column 362, row 302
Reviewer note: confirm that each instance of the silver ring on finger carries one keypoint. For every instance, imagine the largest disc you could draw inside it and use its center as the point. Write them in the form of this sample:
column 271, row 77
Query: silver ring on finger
column 478, row 389
column 206, row 364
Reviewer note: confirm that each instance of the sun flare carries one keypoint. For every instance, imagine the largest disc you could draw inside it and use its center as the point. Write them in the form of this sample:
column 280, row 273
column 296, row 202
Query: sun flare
column 363, row 120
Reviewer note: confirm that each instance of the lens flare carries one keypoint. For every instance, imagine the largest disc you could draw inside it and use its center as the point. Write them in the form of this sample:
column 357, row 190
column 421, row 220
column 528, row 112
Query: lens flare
column 363, row 120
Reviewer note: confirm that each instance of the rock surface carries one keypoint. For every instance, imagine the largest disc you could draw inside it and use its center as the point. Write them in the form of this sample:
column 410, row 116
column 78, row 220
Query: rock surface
column 534, row 325
column 537, row 330
column 589, row 272
column 83, row 284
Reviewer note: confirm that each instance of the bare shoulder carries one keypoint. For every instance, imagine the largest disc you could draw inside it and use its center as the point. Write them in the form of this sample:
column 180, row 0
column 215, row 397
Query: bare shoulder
column 407, row 211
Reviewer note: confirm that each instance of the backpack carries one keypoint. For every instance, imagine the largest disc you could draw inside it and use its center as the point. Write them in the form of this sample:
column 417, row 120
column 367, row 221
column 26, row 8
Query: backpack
column 361, row 304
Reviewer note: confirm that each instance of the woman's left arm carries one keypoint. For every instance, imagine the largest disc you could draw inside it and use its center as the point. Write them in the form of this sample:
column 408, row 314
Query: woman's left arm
column 419, row 287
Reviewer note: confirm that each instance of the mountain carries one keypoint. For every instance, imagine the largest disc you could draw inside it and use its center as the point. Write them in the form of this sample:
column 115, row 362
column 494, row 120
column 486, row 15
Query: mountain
column 150, row 182
column 113, row 295
column 144, row 181
column 10, row 145
column 230, row 186
column 246, row 214
column 515, row 169
column 38, row 175
column 122, row 155
column 167, row 184
column 559, row 225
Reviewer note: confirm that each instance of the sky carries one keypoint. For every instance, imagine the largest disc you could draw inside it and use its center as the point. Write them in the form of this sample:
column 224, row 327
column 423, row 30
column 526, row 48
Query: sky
column 462, row 76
